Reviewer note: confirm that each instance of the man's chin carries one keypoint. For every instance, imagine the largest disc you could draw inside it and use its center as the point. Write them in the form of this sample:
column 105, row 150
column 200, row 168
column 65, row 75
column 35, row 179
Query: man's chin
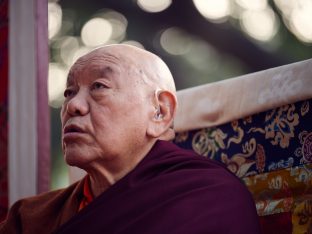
column 75, row 158
column 76, row 162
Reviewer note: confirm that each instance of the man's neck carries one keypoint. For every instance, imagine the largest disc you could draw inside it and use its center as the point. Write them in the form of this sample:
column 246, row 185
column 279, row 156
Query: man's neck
column 103, row 176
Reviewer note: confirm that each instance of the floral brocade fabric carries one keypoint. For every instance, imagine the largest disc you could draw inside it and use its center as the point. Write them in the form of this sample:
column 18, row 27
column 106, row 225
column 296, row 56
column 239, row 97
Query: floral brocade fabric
column 272, row 153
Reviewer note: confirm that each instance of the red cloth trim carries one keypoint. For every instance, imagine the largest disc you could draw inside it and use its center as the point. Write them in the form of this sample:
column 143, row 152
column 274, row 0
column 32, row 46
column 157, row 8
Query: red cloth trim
column 87, row 194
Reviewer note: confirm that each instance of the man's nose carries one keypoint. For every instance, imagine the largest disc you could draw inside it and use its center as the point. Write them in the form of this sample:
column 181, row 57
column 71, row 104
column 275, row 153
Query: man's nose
column 78, row 105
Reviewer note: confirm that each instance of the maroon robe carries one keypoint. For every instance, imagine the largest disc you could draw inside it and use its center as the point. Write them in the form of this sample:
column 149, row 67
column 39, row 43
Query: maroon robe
column 171, row 191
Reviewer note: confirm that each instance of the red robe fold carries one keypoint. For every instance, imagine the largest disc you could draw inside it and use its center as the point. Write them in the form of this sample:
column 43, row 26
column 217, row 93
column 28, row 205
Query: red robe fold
column 170, row 191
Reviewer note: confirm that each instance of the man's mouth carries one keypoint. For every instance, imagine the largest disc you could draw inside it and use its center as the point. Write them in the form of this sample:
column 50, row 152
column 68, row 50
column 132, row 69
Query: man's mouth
column 73, row 129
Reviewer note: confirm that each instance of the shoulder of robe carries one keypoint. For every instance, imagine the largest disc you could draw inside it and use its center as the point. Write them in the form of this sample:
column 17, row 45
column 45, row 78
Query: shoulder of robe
column 32, row 210
column 45, row 199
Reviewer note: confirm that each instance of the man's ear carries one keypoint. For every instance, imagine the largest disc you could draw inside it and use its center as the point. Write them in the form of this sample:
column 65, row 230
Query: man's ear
column 162, row 118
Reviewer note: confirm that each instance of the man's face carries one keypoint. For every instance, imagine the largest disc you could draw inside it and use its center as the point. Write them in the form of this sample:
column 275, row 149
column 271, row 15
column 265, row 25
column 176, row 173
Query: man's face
column 105, row 112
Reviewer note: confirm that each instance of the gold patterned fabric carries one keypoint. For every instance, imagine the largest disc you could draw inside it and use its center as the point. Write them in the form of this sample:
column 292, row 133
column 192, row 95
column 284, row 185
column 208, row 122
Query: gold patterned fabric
column 272, row 153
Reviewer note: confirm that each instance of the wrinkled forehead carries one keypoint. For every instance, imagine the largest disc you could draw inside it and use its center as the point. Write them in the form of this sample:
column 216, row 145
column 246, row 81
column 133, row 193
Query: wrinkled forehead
column 98, row 65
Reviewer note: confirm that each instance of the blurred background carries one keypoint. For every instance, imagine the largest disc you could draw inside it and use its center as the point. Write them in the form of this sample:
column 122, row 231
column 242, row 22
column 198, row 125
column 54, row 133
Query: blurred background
column 202, row 41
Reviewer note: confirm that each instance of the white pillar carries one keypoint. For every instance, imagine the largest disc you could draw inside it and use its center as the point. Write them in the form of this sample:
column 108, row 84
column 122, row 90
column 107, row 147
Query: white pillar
column 23, row 134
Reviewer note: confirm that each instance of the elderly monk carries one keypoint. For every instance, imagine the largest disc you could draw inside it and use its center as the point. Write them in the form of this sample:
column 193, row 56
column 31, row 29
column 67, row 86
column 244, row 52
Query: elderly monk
column 117, row 119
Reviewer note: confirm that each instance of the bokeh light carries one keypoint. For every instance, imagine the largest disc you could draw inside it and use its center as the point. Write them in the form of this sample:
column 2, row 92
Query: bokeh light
column 259, row 24
column 56, row 84
column 175, row 41
column 297, row 16
column 214, row 10
column 202, row 56
column 154, row 6
column 301, row 22
column 96, row 32
column 252, row 4
column 68, row 46
column 286, row 6
column 54, row 19
column 118, row 23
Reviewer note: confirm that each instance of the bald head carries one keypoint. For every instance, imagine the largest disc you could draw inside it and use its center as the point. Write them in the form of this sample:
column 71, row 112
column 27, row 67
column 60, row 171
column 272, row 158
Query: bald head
column 140, row 63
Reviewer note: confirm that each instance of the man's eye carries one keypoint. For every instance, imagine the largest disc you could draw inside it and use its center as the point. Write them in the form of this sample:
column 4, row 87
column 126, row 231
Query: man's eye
column 68, row 93
column 98, row 85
